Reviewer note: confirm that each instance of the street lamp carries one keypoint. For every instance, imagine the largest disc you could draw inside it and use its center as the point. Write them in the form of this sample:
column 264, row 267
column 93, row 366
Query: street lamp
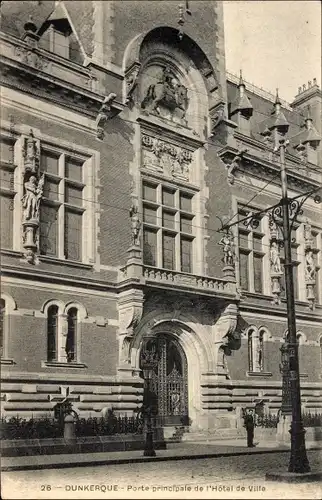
column 298, row 460
column 149, row 362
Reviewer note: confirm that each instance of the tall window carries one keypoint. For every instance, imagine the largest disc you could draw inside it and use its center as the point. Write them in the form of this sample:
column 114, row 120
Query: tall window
column 71, row 334
column 251, row 253
column 7, row 191
column 168, row 234
column 250, row 340
column 52, row 333
column 62, row 208
column 2, row 313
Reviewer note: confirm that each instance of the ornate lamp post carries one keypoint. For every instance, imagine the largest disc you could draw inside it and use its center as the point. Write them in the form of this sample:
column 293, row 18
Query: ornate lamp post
column 149, row 362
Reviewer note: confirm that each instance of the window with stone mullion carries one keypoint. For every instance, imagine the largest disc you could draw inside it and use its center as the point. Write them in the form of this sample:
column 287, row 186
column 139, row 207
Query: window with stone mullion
column 317, row 244
column 62, row 206
column 251, row 254
column 167, row 227
column 7, row 191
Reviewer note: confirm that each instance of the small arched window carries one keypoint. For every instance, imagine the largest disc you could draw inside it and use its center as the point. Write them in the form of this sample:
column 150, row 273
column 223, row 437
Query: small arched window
column 250, row 340
column 2, row 313
column 52, row 333
column 70, row 347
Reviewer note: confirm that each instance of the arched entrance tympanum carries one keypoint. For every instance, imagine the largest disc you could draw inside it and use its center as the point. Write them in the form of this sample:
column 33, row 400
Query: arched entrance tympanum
column 169, row 380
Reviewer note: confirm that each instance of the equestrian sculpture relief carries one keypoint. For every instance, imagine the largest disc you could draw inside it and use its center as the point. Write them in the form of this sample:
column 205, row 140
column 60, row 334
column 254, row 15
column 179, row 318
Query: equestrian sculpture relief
column 166, row 95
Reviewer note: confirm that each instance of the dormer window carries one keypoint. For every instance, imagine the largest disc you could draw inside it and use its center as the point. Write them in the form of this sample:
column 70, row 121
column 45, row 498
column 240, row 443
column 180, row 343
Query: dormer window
column 56, row 35
column 58, row 42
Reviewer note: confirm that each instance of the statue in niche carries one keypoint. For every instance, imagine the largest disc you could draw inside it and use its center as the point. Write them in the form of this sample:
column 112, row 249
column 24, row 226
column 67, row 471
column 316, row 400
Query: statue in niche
column 135, row 225
column 275, row 258
column 309, row 266
column 168, row 93
column 32, row 197
column 227, row 241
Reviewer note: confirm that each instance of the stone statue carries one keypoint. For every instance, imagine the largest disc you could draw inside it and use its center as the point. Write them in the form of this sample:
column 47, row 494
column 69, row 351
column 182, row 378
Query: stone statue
column 227, row 241
column 32, row 197
column 309, row 266
column 275, row 258
column 135, row 225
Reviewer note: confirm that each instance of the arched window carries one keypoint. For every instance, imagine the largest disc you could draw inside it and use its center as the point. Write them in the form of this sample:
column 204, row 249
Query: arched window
column 70, row 347
column 52, row 333
column 250, row 340
column 2, row 313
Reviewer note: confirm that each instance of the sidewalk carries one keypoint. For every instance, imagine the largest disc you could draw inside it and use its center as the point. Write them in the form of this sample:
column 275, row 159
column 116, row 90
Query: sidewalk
column 174, row 451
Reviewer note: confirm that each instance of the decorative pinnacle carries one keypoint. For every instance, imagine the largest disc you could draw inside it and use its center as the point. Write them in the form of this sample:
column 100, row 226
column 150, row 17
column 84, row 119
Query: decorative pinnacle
column 241, row 81
column 277, row 99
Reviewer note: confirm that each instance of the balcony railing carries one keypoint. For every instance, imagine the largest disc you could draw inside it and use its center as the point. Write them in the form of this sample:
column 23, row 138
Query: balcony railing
column 158, row 275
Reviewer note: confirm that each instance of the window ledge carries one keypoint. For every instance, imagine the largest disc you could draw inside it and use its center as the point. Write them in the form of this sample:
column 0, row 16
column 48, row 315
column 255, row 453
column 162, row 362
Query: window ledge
column 13, row 253
column 7, row 361
column 259, row 374
column 62, row 364
column 65, row 262
column 303, row 375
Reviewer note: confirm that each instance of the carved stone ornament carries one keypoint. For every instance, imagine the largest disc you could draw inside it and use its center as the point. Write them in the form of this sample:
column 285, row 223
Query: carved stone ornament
column 164, row 157
column 226, row 337
column 105, row 113
column 167, row 97
column 217, row 115
column 30, row 57
column 33, row 186
column 130, row 309
column 131, row 80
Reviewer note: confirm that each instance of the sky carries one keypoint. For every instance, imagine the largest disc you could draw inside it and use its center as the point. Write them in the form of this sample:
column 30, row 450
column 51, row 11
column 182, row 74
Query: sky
column 277, row 44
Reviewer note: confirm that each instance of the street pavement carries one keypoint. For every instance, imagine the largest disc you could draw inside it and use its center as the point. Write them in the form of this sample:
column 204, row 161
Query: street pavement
column 217, row 477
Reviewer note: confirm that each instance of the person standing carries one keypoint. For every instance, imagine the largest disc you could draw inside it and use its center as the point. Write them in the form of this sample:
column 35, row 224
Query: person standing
column 249, row 424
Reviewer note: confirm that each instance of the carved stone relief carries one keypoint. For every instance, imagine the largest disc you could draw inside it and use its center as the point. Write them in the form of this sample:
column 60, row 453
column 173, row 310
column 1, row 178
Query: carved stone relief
column 166, row 96
column 164, row 157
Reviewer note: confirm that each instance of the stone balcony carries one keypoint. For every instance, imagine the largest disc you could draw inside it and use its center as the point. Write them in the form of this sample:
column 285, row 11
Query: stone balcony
column 136, row 272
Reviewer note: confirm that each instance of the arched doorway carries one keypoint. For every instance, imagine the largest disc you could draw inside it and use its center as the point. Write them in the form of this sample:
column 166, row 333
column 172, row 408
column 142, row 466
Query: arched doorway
column 169, row 382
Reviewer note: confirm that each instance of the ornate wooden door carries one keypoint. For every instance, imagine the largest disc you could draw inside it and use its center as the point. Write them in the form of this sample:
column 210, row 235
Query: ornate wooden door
column 169, row 381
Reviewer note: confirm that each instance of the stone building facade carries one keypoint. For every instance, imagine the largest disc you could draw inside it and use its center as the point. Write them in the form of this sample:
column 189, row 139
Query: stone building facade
column 125, row 147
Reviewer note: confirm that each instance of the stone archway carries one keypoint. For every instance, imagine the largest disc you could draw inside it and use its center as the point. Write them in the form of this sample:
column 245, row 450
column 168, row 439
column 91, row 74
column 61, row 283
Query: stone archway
column 169, row 382
column 193, row 343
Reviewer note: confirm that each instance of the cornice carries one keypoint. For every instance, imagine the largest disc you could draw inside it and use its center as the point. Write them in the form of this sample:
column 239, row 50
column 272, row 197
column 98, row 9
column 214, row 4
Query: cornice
column 45, row 75
column 55, row 277
column 178, row 134
column 270, row 310
column 251, row 162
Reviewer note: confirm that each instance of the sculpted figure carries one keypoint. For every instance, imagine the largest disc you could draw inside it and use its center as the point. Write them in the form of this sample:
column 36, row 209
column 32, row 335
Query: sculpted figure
column 227, row 242
column 135, row 225
column 275, row 258
column 32, row 197
column 309, row 266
